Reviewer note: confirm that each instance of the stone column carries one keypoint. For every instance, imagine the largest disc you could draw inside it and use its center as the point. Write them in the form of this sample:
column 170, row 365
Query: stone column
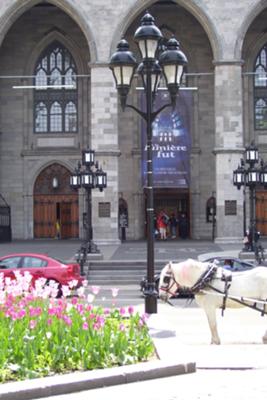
column 228, row 150
column 104, row 140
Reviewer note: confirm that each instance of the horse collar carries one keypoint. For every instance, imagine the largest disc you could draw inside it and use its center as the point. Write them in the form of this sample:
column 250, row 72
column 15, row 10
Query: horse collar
column 204, row 279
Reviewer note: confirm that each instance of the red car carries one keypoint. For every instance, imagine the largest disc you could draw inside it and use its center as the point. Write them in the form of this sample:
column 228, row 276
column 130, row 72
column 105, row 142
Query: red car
column 40, row 266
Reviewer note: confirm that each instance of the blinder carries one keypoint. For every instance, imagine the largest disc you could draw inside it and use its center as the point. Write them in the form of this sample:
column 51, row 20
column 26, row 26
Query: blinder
column 167, row 285
column 166, row 279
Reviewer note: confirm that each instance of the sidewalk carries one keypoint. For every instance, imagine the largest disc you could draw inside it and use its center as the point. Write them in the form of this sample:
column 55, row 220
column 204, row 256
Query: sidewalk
column 181, row 335
column 128, row 250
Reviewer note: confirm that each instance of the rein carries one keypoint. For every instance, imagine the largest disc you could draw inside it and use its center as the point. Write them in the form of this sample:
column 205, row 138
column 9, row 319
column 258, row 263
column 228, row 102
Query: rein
column 204, row 279
column 167, row 289
column 240, row 300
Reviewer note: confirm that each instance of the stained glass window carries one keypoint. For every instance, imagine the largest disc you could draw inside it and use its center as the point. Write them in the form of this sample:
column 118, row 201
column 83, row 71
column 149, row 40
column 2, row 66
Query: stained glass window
column 55, row 93
column 260, row 90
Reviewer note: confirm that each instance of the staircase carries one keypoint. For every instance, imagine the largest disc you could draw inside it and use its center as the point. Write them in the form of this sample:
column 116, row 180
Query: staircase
column 123, row 275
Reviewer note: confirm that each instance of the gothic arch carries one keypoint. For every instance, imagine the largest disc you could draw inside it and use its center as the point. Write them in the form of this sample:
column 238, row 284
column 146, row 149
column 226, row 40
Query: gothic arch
column 253, row 50
column 82, row 68
column 19, row 7
column 141, row 5
column 42, row 167
column 253, row 12
column 52, row 36
column 55, row 203
column 44, row 181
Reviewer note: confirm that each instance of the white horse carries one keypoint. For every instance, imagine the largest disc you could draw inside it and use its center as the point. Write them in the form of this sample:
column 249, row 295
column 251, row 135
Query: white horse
column 212, row 287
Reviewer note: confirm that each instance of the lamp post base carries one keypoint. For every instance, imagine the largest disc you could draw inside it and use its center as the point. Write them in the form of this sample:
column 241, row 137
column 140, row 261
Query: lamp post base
column 88, row 250
column 151, row 298
column 92, row 248
column 151, row 305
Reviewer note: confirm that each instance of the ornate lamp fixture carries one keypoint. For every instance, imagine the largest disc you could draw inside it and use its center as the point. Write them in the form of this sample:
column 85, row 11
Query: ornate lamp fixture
column 170, row 65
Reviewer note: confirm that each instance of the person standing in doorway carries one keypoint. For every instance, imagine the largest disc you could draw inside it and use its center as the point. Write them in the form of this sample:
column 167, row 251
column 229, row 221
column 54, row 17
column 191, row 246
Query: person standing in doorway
column 123, row 225
column 173, row 225
column 162, row 222
column 57, row 229
column 183, row 226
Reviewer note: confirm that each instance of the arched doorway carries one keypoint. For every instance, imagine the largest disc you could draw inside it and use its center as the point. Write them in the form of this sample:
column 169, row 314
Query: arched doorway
column 55, row 204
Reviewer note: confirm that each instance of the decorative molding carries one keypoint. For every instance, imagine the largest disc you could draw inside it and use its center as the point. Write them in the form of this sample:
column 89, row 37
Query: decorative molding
column 228, row 62
column 108, row 153
column 98, row 64
column 222, row 150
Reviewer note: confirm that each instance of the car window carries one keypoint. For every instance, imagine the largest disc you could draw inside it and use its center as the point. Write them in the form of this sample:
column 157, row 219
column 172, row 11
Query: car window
column 237, row 265
column 219, row 262
column 33, row 262
column 10, row 262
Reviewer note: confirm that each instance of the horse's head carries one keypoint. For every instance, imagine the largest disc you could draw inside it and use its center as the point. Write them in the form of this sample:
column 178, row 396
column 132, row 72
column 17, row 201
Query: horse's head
column 182, row 274
column 167, row 283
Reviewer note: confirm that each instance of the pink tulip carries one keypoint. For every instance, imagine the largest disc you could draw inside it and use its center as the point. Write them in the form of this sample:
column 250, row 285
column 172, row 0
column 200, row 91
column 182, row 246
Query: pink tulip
column 122, row 327
column 32, row 323
column 122, row 311
column 130, row 310
column 95, row 290
column 74, row 300
column 85, row 326
column 67, row 320
column 114, row 292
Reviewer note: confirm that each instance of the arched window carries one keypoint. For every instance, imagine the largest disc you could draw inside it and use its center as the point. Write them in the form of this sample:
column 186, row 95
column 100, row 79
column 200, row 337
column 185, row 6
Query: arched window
column 260, row 92
column 55, row 94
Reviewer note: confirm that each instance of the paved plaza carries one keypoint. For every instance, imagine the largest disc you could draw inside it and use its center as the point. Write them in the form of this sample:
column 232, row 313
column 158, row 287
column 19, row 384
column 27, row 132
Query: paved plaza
column 181, row 335
column 129, row 250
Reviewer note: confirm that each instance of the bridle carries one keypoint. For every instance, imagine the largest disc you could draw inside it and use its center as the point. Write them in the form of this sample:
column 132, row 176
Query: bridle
column 169, row 282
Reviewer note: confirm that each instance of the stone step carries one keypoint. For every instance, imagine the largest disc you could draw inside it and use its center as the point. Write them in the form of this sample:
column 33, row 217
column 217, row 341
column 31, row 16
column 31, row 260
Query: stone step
column 118, row 273
column 122, row 265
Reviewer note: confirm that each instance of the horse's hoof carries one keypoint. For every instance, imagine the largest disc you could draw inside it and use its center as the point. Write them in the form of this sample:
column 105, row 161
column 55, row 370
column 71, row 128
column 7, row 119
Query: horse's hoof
column 215, row 342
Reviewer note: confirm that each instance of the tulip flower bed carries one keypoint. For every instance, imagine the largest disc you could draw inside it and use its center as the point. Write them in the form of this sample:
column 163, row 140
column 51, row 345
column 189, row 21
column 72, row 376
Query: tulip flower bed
column 41, row 335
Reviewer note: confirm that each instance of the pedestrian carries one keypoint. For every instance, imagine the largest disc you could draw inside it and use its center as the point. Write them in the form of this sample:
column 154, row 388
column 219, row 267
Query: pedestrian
column 173, row 225
column 247, row 241
column 57, row 229
column 183, row 226
column 123, row 225
column 156, row 230
column 162, row 223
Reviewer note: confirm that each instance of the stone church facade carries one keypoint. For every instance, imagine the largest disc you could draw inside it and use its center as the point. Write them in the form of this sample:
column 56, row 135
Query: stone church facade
column 43, row 131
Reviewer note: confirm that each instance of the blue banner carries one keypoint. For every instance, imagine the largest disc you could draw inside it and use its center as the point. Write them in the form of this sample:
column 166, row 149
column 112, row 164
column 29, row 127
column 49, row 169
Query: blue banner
column 171, row 142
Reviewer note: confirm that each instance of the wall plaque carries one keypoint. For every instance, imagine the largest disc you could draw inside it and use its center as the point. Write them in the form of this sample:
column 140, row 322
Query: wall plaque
column 104, row 210
column 230, row 207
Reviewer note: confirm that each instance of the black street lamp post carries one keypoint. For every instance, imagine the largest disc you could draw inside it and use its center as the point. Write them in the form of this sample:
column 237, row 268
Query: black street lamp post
column 88, row 176
column 252, row 176
column 170, row 63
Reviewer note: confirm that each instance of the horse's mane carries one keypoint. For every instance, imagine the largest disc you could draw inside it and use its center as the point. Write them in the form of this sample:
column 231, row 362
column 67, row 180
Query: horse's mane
column 187, row 272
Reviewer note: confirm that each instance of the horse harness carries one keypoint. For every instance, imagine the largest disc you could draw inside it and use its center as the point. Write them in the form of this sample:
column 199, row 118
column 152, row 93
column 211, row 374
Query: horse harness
column 167, row 288
column 205, row 280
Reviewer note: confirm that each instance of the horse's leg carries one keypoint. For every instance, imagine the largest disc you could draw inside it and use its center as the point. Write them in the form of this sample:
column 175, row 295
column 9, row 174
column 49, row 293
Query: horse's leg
column 211, row 315
column 264, row 338
column 210, row 311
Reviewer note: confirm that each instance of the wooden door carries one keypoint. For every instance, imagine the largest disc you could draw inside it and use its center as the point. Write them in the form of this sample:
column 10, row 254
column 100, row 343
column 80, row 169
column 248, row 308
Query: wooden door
column 44, row 217
column 69, row 221
column 56, row 209
column 261, row 212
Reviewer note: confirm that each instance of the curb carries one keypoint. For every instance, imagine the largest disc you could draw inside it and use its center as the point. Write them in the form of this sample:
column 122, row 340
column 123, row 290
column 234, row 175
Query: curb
column 78, row 381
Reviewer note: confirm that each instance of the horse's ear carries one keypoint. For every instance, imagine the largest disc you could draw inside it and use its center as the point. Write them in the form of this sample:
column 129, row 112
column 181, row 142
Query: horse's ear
column 169, row 265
